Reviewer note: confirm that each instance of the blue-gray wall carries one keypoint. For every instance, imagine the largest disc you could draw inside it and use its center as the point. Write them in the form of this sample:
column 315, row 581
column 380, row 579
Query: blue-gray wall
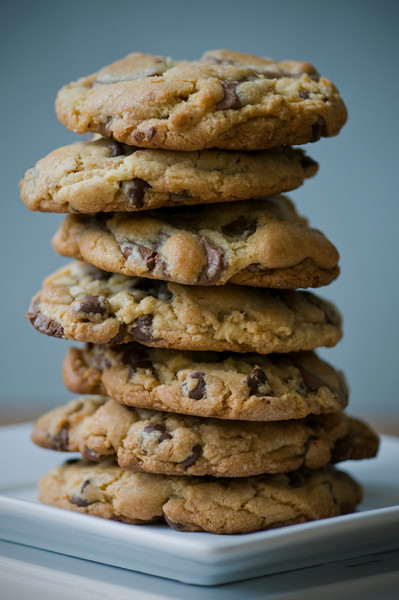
column 354, row 198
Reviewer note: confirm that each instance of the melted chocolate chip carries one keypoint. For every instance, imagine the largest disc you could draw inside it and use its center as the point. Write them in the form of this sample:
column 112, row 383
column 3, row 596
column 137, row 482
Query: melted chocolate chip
column 258, row 383
column 215, row 264
column 318, row 129
column 120, row 337
column 90, row 454
column 192, row 458
column 230, row 100
column 60, row 441
column 136, row 363
column 195, row 385
column 239, row 226
column 141, row 328
column 304, row 94
column 135, row 190
column 150, row 132
column 158, row 427
column 174, row 525
column 164, row 292
column 46, row 325
column 145, row 136
column 99, row 275
column 77, row 499
column 105, row 128
column 149, row 256
column 311, row 381
column 92, row 305
column 116, row 149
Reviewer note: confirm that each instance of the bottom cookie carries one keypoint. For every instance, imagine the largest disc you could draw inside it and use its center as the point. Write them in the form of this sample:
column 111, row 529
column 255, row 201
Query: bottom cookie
column 200, row 504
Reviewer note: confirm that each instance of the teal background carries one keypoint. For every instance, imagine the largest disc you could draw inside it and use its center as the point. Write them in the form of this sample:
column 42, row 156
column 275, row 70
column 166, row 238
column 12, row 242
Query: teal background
column 353, row 199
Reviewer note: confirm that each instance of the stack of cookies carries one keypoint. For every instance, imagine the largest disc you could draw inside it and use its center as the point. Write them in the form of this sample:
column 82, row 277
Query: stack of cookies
column 204, row 402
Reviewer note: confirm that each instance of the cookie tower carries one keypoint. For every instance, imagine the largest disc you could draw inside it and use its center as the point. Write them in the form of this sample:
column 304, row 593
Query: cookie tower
column 205, row 404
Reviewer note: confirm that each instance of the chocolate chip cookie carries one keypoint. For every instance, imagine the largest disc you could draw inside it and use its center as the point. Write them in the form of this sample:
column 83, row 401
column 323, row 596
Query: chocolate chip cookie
column 200, row 504
column 262, row 243
column 172, row 444
column 104, row 175
column 250, row 387
column 225, row 100
column 82, row 303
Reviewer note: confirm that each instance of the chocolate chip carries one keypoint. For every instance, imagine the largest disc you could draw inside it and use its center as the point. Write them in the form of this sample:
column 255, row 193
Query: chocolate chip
column 149, row 256
column 164, row 292
column 77, row 499
column 139, row 136
column 99, row 275
column 258, row 383
column 116, row 149
column 160, row 428
column 60, row 441
column 304, row 94
column 141, row 328
column 91, row 305
column 331, row 315
column 325, row 98
column 174, row 525
column 90, row 454
column 144, row 136
column 215, row 264
column 135, row 190
column 120, row 337
column 150, row 132
column 192, row 458
column 311, row 381
column 136, row 362
column 318, row 129
column 194, row 385
column 105, row 128
column 46, row 325
column 230, row 100
column 240, row 226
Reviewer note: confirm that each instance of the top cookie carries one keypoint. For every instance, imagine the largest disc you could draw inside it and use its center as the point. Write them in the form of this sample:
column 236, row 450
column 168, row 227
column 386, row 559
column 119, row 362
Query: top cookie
column 104, row 175
column 225, row 100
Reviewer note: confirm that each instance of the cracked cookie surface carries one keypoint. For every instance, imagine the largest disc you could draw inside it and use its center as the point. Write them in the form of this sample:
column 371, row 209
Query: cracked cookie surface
column 262, row 243
column 173, row 444
column 249, row 387
column 104, row 176
column 225, row 99
column 197, row 504
column 82, row 303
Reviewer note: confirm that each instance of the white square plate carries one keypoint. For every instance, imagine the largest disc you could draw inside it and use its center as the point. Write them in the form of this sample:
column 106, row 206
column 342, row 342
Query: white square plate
column 196, row 558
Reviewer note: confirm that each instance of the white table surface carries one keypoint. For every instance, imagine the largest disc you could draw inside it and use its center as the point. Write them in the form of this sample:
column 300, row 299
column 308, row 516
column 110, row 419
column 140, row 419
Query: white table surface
column 29, row 574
